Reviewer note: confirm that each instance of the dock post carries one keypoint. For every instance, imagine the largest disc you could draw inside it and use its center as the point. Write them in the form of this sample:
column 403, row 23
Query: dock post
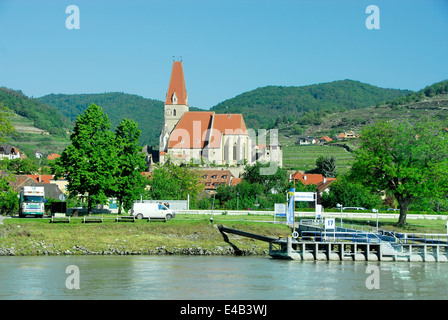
column 424, row 252
column 341, row 251
column 380, row 252
column 367, row 251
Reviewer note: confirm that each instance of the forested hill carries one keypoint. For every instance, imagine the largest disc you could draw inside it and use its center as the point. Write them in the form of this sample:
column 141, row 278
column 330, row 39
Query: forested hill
column 268, row 106
column 42, row 116
column 147, row 113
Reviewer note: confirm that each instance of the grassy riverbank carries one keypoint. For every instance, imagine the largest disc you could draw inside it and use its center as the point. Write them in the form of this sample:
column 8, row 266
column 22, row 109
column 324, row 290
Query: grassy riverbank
column 177, row 236
column 186, row 234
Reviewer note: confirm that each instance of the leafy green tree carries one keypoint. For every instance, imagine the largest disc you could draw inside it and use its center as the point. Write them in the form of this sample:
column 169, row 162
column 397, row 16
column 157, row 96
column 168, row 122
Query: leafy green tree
column 129, row 182
column 172, row 182
column 326, row 166
column 350, row 193
column 21, row 166
column 8, row 198
column 243, row 195
column 407, row 160
column 5, row 123
column 90, row 161
column 277, row 182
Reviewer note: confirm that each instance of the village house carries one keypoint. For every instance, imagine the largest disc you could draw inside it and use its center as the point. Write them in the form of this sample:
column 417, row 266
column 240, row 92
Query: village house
column 9, row 152
column 322, row 183
column 212, row 179
column 303, row 141
column 346, row 135
column 325, row 139
column 308, row 178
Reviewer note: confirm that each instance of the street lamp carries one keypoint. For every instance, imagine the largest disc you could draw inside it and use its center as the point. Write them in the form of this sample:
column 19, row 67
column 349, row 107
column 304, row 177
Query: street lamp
column 237, row 200
column 340, row 206
column 213, row 206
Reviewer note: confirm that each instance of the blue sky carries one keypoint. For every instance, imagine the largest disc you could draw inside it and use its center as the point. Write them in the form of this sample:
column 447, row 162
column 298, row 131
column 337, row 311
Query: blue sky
column 227, row 46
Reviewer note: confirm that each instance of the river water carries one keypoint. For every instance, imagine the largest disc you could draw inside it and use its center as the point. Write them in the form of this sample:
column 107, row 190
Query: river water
column 216, row 277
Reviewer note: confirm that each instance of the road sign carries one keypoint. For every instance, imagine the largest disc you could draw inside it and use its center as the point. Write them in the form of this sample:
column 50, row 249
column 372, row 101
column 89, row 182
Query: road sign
column 304, row 196
column 329, row 223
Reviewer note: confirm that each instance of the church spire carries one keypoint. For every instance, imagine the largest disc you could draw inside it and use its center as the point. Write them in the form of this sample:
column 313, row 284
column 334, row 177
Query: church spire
column 177, row 92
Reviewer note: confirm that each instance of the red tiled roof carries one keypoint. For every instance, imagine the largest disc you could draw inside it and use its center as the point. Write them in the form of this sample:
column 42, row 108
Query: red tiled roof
column 235, row 181
column 197, row 128
column 43, row 178
column 228, row 124
column 177, row 85
column 190, row 132
column 53, row 156
column 213, row 178
column 328, row 139
column 308, row 179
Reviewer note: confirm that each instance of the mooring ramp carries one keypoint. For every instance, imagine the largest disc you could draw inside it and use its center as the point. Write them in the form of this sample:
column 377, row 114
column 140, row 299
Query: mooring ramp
column 246, row 234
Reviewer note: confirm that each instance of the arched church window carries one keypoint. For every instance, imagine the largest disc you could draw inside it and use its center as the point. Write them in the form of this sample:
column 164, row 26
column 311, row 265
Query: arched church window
column 174, row 98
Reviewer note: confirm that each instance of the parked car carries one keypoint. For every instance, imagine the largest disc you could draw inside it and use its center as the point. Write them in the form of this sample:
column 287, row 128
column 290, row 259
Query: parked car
column 151, row 211
column 393, row 209
column 353, row 208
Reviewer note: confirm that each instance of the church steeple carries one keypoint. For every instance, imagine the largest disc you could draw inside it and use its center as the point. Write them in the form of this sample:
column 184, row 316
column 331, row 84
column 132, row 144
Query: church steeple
column 176, row 103
column 177, row 92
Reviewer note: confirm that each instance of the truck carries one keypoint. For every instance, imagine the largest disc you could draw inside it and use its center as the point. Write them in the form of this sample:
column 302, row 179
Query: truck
column 32, row 201
column 147, row 210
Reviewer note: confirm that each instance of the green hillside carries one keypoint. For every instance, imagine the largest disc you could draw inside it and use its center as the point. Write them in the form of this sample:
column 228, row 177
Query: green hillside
column 270, row 106
column 37, row 126
column 28, row 138
column 42, row 116
column 431, row 101
column 146, row 112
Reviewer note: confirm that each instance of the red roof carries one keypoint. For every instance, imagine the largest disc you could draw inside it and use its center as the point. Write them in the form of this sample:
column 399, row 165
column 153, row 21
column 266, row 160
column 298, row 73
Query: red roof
column 190, row 132
column 43, row 178
column 213, row 178
column 177, row 85
column 326, row 138
column 235, row 181
column 308, row 179
column 197, row 128
column 53, row 156
column 228, row 124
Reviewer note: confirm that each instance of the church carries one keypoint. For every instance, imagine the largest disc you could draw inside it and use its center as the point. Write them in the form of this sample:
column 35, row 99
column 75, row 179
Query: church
column 204, row 137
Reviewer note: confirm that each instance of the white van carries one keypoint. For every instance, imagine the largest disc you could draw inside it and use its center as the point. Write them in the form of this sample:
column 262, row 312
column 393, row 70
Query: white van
column 151, row 211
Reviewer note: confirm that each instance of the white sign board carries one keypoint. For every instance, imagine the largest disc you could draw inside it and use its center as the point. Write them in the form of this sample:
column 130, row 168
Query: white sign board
column 329, row 223
column 280, row 210
column 304, row 196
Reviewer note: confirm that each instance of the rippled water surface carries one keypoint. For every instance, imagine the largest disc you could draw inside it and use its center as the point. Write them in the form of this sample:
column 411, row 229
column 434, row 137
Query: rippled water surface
column 189, row 278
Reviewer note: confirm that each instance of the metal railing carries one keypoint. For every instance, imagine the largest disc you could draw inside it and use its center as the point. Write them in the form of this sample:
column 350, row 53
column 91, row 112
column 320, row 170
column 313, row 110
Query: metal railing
column 338, row 236
column 426, row 238
column 371, row 236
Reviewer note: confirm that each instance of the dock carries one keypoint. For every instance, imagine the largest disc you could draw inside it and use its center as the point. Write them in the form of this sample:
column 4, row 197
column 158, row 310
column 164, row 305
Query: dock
column 311, row 242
